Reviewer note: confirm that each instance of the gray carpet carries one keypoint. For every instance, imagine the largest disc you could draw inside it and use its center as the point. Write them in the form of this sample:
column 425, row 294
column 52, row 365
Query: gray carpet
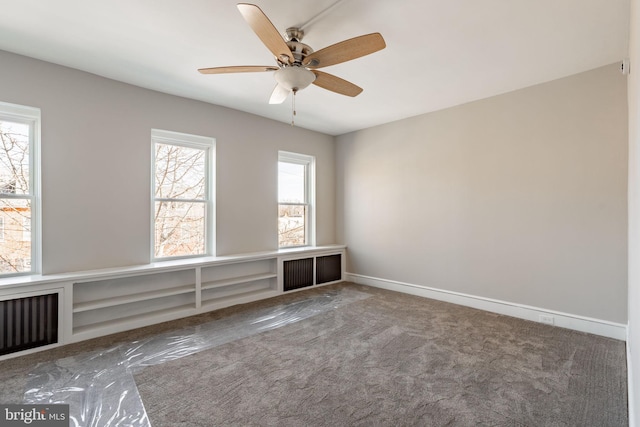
column 391, row 360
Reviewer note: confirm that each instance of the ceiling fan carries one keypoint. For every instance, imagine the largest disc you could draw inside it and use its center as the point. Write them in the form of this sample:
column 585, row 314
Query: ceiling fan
column 297, row 64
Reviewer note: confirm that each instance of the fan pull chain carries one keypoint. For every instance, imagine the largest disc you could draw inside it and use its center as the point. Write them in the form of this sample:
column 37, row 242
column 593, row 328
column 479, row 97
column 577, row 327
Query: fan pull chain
column 293, row 107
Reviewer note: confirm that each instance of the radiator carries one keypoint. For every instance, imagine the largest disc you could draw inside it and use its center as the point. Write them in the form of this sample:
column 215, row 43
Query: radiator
column 28, row 322
column 298, row 274
column 328, row 268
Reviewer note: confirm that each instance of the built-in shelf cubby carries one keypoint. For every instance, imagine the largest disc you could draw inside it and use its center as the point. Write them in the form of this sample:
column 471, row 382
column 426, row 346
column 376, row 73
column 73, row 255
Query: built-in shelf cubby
column 246, row 281
column 103, row 304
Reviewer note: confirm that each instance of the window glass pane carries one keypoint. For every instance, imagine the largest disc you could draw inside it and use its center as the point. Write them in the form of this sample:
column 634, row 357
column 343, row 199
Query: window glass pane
column 15, row 251
column 291, row 182
column 14, row 158
column 26, row 229
column 179, row 229
column 180, row 172
column 292, row 225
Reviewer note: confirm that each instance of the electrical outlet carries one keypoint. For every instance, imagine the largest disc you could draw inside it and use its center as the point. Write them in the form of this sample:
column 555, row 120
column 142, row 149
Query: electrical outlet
column 624, row 67
column 546, row 319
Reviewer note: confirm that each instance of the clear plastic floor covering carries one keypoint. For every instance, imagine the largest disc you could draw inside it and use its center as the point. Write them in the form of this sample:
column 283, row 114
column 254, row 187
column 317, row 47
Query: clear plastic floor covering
column 100, row 388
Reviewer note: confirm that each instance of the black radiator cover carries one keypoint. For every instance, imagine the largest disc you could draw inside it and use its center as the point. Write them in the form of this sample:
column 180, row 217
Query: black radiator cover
column 28, row 322
column 298, row 273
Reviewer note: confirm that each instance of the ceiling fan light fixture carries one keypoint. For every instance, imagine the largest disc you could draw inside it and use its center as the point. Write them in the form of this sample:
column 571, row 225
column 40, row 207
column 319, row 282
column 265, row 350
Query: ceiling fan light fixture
column 294, row 78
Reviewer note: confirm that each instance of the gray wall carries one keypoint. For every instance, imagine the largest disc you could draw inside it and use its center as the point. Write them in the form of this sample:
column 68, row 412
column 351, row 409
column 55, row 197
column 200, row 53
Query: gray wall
column 96, row 154
column 519, row 198
column 633, row 340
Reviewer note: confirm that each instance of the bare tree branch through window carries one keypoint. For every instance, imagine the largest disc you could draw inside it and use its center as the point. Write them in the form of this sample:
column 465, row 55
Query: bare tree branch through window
column 15, row 198
column 180, row 200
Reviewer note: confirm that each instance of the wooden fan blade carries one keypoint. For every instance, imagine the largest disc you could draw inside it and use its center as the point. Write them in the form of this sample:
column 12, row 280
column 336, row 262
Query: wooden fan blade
column 279, row 94
column 345, row 51
column 336, row 84
column 266, row 31
column 238, row 69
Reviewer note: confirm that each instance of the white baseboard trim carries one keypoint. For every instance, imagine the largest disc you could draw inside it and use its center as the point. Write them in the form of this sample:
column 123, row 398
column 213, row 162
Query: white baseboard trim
column 630, row 395
column 563, row 320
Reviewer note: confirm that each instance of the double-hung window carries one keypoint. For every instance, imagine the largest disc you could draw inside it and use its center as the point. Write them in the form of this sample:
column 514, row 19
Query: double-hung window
column 182, row 213
column 296, row 189
column 19, row 189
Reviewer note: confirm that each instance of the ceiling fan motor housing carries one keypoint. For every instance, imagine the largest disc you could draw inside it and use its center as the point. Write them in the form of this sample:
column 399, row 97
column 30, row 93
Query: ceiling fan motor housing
column 299, row 50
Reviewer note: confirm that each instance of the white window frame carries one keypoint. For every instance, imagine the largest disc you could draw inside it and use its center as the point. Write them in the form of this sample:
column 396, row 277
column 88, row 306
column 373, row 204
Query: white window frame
column 309, row 190
column 31, row 117
column 191, row 141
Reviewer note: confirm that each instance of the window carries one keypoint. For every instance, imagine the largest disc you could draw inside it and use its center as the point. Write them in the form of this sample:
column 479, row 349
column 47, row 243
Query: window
column 19, row 189
column 296, row 186
column 26, row 229
column 182, row 195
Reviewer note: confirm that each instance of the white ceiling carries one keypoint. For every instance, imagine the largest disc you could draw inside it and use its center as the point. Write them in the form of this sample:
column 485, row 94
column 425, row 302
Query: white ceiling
column 439, row 53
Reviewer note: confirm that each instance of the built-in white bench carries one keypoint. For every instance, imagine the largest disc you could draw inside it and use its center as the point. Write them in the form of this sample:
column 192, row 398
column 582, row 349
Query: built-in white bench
column 95, row 303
